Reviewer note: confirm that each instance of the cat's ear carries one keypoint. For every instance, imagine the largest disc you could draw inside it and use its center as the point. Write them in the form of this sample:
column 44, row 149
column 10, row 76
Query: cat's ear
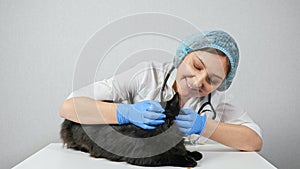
column 173, row 104
column 175, row 100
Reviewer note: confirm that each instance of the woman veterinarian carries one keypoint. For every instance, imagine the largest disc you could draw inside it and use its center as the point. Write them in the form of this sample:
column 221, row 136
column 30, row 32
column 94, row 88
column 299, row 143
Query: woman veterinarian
column 201, row 72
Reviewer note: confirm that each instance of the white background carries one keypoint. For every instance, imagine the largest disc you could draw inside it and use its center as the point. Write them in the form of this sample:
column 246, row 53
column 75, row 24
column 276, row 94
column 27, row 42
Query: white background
column 40, row 42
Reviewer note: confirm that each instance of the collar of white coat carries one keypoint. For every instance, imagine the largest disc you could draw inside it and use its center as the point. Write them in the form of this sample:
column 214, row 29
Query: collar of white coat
column 169, row 92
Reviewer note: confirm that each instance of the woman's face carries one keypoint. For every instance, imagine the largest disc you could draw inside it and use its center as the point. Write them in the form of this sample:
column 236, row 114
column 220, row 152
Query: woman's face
column 200, row 73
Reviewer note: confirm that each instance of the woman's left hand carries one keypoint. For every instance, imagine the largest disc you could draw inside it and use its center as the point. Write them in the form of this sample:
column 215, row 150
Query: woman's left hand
column 190, row 122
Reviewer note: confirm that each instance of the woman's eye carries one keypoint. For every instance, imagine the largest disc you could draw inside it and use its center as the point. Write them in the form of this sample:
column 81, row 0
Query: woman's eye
column 198, row 67
column 213, row 82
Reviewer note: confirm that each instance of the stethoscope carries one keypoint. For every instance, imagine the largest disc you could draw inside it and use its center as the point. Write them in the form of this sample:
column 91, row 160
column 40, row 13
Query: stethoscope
column 204, row 106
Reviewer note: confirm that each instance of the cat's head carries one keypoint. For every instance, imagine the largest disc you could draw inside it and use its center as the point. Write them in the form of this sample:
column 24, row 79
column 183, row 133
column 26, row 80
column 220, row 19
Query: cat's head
column 172, row 108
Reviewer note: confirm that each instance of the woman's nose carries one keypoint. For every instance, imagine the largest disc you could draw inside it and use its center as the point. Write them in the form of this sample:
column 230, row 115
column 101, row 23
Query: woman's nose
column 199, row 79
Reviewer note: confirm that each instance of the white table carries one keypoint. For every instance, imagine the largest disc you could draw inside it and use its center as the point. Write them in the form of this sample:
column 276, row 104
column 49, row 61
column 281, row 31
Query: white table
column 54, row 156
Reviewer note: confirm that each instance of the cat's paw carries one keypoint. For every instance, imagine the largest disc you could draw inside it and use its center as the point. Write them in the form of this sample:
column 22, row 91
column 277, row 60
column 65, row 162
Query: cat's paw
column 190, row 162
column 195, row 155
column 183, row 161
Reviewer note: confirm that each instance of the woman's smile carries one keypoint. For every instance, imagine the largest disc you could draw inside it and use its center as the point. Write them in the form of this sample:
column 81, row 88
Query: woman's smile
column 191, row 88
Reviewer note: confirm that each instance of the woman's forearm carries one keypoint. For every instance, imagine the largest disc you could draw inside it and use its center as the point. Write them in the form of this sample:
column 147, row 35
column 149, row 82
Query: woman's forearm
column 233, row 135
column 85, row 110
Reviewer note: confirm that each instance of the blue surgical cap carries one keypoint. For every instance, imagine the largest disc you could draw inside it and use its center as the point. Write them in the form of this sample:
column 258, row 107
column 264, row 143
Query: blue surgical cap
column 211, row 39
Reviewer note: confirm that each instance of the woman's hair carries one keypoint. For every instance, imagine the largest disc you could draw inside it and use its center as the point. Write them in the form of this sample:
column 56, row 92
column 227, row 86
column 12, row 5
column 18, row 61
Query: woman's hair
column 220, row 53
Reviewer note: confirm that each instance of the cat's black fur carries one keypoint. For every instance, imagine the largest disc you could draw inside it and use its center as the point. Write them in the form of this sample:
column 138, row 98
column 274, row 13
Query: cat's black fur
column 102, row 142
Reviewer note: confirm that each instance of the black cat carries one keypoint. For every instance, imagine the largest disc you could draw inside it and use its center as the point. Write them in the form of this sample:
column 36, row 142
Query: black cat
column 162, row 146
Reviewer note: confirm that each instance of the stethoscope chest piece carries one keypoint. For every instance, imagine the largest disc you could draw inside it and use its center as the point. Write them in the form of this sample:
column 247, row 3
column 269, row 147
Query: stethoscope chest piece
column 207, row 109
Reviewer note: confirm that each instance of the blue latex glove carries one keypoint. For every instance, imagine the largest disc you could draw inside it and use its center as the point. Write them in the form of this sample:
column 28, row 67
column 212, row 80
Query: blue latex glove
column 190, row 122
column 145, row 114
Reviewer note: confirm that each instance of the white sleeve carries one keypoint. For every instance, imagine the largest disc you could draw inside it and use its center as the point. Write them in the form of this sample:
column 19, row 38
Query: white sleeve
column 121, row 87
column 235, row 115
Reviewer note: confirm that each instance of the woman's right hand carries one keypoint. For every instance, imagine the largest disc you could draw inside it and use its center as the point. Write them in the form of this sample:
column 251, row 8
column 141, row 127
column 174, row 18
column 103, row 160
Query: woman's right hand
column 144, row 114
